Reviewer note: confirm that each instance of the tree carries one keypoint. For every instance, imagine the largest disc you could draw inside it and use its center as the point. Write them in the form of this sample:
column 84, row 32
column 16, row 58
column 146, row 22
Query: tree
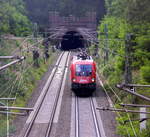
column 13, row 17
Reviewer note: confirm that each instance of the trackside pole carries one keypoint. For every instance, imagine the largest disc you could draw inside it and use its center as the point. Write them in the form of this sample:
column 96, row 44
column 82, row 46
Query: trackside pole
column 7, row 121
column 128, row 63
column 143, row 116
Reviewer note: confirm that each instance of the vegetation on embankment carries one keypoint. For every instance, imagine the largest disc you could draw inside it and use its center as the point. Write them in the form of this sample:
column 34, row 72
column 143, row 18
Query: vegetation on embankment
column 21, row 79
column 126, row 17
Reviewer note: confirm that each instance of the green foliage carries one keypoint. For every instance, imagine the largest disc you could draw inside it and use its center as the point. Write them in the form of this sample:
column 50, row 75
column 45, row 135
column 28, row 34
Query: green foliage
column 113, row 70
column 145, row 72
column 135, row 11
column 146, row 132
column 120, row 21
column 119, row 26
column 143, row 43
column 19, row 80
column 19, row 24
column 13, row 18
column 114, row 7
column 7, row 46
column 124, row 128
column 141, row 51
column 3, row 131
column 138, row 11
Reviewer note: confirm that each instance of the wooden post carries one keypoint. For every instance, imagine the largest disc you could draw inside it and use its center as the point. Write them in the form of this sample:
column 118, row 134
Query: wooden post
column 128, row 71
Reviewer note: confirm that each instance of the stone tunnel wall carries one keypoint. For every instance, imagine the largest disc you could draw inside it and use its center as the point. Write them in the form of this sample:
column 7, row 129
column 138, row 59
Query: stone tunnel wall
column 72, row 22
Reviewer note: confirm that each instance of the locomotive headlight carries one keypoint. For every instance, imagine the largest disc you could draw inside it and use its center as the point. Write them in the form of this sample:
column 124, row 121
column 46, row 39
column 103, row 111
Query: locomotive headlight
column 93, row 79
column 74, row 80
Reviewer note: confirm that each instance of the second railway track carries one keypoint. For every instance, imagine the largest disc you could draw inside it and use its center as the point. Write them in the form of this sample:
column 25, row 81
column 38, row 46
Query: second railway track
column 87, row 121
column 40, row 121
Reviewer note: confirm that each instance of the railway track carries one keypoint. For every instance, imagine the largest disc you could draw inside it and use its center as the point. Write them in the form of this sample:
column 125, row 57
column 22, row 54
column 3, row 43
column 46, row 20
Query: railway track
column 87, row 121
column 40, row 121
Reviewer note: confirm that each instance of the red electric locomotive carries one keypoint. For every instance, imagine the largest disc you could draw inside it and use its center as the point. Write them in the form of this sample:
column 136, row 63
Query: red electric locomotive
column 83, row 73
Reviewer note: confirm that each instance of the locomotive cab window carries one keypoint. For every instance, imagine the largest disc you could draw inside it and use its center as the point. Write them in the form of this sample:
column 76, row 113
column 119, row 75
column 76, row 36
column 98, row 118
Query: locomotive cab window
column 83, row 70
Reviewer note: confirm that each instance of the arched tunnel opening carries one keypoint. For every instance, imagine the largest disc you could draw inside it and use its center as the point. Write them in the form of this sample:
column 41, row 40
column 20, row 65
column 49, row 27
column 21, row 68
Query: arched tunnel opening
column 72, row 40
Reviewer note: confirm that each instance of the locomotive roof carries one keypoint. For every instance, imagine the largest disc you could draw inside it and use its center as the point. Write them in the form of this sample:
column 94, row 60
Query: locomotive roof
column 77, row 60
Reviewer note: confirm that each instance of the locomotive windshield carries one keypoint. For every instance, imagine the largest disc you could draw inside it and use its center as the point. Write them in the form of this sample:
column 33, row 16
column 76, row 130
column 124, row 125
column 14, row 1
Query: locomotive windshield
column 83, row 70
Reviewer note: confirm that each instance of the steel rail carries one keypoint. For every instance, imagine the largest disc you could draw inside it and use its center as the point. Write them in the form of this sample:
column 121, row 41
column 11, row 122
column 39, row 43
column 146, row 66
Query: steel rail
column 95, row 118
column 44, row 91
column 99, row 132
column 56, row 100
column 76, row 117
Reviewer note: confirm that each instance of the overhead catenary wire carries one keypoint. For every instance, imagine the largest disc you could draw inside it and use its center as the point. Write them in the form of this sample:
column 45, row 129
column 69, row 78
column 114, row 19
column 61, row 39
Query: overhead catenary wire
column 20, row 77
column 3, row 85
column 13, row 84
column 95, row 41
column 19, row 84
column 19, row 80
column 18, row 59
column 11, row 81
column 32, row 46
column 111, row 51
column 8, row 87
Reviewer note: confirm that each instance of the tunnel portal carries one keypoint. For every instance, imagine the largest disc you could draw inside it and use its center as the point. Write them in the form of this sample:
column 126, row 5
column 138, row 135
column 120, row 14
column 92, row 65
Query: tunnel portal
column 72, row 40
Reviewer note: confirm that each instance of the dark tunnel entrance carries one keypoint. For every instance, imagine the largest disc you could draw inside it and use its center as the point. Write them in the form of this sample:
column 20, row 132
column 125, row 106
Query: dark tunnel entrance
column 72, row 40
